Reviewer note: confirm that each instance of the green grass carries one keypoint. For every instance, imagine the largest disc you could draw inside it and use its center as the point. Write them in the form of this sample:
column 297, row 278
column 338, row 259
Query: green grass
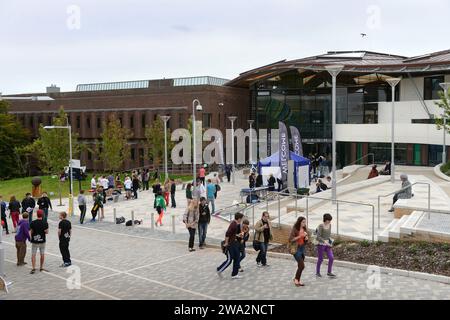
column 20, row 186
column 446, row 168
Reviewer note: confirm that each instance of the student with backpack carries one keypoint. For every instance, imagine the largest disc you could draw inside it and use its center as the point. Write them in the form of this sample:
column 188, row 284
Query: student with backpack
column 98, row 203
column 160, row 208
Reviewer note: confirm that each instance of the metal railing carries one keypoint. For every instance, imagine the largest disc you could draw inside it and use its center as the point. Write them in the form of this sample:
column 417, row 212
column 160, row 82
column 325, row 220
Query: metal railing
column 405, row 188
column 337, row 209
column 363, row 157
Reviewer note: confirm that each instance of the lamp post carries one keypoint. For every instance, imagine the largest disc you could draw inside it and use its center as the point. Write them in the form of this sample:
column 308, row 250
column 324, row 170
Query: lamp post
column 250, row 155
column 232, row 119
column 393, row 83
column 445, row 86
column 195, row 106
column 70, row 162
column 165, row 119
column 333, row 71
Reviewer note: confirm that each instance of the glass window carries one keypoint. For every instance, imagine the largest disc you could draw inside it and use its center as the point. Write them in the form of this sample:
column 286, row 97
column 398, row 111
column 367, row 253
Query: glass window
column 143, row 120
column 78, row 122
column 99, row 123
column 207, row 117
column 132, row 122
column 88, row 122
column 432, row 87
column 132, row 155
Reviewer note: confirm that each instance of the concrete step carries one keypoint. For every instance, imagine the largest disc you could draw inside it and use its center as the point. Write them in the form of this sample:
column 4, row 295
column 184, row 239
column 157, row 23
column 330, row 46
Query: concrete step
column 384, row 235
column 408, row 226
column 394, row 232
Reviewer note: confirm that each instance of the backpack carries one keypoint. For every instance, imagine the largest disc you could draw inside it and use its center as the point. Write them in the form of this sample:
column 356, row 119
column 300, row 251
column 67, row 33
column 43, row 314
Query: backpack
column 314, row 238
column 120, row 220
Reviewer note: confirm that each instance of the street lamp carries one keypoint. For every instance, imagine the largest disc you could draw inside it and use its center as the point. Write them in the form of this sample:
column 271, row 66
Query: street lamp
column 445, row 86
column 232, row 119
column 70, row 162
column 194, row 149
column 393, row 83
column 250, row 122
column 333, row 70
column 165, row 119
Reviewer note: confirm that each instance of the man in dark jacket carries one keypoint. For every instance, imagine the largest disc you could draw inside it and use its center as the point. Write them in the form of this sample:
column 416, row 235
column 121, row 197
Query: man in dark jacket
column 173, row 189
column 44, row 203
column 28, row 205
column 3, row 214
column 203, row 221
column 22, row 235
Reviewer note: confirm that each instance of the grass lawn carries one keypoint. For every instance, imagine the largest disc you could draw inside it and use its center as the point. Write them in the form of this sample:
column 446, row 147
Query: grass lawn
column 20, row 186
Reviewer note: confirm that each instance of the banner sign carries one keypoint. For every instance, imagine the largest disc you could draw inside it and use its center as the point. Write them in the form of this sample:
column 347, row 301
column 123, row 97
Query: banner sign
column 284, row 152
column 296, row 141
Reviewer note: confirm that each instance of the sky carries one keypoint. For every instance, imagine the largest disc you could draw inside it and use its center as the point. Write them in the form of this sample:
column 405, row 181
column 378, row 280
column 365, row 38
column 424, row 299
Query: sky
column 85, row 41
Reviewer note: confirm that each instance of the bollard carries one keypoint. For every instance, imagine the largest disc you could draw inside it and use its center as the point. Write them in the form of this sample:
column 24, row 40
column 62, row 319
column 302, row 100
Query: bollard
column 173, row 223
column 114, row 215
column 279, row 212
column 337, row 217
column 296, row 214
column 132, row 218
column 152, row 218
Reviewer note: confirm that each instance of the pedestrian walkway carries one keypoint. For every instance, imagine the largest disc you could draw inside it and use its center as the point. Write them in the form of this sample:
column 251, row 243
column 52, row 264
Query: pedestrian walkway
column 116, row 262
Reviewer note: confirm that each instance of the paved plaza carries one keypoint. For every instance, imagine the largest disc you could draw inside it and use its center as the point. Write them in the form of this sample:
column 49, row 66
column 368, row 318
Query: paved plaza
column 117, row 262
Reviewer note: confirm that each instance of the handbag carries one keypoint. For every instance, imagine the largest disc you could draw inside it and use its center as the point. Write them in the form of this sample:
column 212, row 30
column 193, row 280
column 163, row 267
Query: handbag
column 218, row 187
column 293, row 246
column 256, row 244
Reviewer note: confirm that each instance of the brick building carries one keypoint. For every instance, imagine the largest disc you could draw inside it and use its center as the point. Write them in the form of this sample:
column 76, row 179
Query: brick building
column 137, row 104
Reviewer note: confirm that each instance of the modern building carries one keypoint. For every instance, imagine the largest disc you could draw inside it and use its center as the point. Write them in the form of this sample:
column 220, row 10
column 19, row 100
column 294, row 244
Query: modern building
column 298, row 92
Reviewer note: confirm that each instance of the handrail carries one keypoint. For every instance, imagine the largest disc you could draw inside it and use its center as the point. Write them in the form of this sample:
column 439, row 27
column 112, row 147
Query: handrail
column 337, row 209
column 357, row 160
column 402, row 189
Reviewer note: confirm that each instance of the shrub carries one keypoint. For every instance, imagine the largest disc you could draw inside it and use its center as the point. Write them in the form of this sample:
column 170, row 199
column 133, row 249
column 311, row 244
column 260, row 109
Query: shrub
column 365, row 243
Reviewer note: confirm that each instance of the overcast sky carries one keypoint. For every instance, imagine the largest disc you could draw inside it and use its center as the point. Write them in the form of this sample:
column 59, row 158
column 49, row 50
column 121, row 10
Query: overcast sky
column 43, row 42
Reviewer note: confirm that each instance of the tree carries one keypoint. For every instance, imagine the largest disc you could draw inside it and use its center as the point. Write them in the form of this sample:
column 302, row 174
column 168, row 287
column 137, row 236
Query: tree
column 114, row 144
column 155, row 141
column 444, row 104
column 13, row 136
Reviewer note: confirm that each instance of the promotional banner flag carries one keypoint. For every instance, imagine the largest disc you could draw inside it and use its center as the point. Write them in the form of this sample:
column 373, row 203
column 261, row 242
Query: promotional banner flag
column 296, row 141
column 284, row 152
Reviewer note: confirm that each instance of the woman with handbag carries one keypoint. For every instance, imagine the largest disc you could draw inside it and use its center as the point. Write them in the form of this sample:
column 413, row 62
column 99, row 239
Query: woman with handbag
column 190, row 219
column 297, row 241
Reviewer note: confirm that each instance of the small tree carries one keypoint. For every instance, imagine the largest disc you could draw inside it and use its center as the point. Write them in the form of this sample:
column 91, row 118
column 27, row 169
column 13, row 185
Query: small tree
column 12, row 137
column 114, row 144
column 444, row 104
column 155, row 141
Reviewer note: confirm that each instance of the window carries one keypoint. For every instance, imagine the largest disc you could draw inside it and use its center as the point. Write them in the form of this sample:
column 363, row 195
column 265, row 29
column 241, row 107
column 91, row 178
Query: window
column 88, row 122
column 207, row 120
column 99, row 123
column 141, row 157
column 40, row 119
column 78, row 122
column 49, row 120
column 181, row 123
column 132, row 122
column 132, row 155
column 431, row 87
column 120, row 120
column 89, row 155
column 143, row 120
column 31, row 122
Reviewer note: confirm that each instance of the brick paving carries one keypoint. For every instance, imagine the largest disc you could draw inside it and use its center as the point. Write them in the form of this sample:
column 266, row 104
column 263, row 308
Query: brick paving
column 118, row 262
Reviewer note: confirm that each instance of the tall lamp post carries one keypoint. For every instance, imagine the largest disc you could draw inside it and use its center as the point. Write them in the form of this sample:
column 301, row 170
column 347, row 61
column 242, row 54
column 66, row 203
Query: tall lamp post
column 232, row 119
column 393, row 83
column 70, row 162
column 195, row 106
column 250, row 155
column 333, row 71
column 445, row 86
column 165, row 119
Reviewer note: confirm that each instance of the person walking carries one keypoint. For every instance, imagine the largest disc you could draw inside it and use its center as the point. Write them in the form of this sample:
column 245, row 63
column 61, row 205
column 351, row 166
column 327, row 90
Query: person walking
column 202, row 174
column 82, row 205
column 22, row 235
column 259, row 181
column 104, row 183
column 228, row 171
column 216, row 181
column 188, row 194
column 38, row 232
column 110, row 185
column 44, row 203
column 3, row 215
column 173, row 189
column 64, row 235
column 160, row 208
column 146, row 179
column 135, row 186
column 231, row 246
column 210, row 191
column 156, row 190
column 297, row 240
column 243, row 233
column 251, row 180
column 190, row 219
column 203, row 221
column 166, row 191
column 263, row 235
column 94, row 182
column 14, row 211
column 404, row 193
column 324, row 244
column 28, row 205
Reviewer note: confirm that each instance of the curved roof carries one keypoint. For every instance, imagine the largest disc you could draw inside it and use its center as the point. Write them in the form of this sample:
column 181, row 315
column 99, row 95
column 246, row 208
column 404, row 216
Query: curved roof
column 354, row 62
